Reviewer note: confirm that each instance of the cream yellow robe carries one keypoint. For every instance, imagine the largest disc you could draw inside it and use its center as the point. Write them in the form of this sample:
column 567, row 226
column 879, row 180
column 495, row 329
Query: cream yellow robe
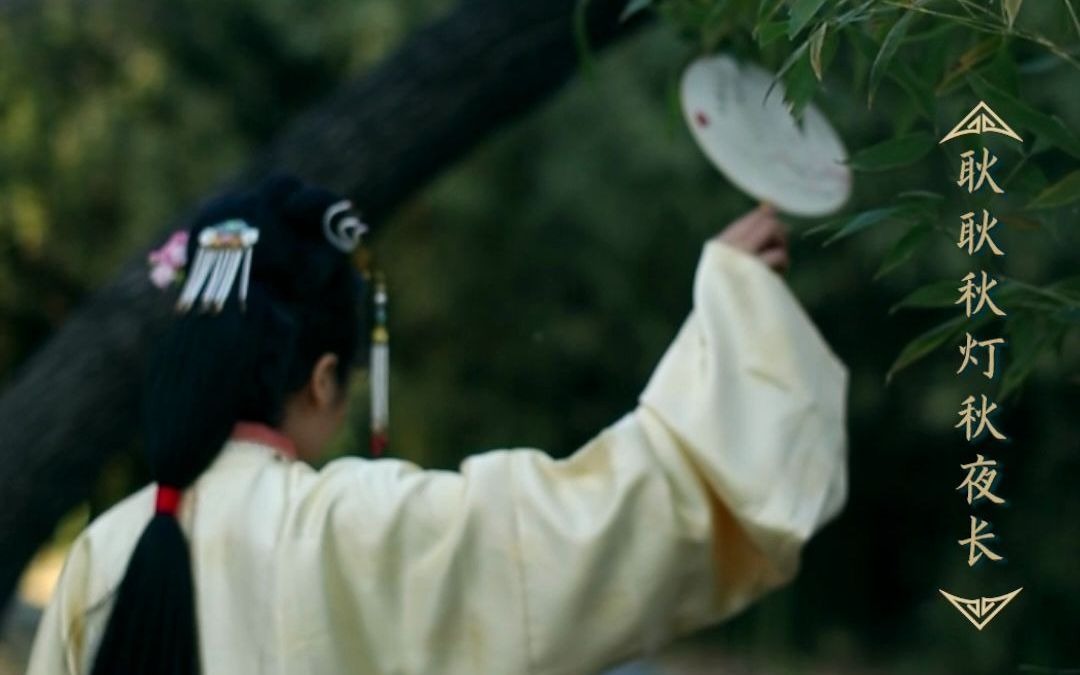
column 677, row 516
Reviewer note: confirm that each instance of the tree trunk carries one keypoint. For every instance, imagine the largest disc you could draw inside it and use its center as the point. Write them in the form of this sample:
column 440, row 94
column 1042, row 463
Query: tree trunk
column 379, row 139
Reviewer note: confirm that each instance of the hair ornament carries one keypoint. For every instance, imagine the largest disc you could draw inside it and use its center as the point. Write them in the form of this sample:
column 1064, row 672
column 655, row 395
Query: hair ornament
column 342, row 226
column 380, row 371
column 167, row 263
column 223, row 250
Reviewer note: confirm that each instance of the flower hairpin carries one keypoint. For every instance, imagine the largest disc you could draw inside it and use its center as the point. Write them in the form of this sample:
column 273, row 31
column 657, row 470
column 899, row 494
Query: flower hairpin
column 167, row 262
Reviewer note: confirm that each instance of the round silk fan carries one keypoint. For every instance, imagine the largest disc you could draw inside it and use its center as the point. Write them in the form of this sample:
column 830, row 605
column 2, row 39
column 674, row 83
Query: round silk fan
column 755, row 141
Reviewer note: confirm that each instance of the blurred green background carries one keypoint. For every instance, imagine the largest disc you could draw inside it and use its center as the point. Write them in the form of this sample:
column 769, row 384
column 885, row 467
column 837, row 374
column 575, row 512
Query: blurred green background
column 535, row 285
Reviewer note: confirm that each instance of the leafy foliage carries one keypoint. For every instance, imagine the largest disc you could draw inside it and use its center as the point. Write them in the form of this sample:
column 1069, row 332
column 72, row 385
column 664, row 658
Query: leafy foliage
column 931, row 61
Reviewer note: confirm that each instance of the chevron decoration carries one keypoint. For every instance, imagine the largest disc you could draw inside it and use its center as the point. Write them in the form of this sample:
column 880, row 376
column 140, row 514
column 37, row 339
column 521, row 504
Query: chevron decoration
column 980, row 611
column 981, row 120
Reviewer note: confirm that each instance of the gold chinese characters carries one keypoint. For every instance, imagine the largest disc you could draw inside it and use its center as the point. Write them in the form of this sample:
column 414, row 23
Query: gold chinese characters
column 979, row 354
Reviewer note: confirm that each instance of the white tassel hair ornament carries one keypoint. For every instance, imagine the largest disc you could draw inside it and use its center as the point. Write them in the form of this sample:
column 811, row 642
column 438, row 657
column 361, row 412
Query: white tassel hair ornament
column 380, row 372
column 223, row 250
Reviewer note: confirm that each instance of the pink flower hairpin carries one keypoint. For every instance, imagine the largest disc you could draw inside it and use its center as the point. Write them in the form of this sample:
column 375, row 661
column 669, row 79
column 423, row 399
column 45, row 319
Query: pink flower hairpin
column 167, row 262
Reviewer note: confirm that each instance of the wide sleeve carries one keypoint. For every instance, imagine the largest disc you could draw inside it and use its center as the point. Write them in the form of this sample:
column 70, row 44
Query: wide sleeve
column 59, row 638
column 678, row 515
column 700, row 500
column 49, row 653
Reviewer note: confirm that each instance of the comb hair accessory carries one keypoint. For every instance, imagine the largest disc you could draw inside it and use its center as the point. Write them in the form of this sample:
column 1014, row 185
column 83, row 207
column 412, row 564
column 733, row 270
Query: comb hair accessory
column 342, row 226
column 223, row 249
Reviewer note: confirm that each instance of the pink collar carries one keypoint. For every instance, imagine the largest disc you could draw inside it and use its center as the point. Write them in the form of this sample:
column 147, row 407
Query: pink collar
column 257, row 432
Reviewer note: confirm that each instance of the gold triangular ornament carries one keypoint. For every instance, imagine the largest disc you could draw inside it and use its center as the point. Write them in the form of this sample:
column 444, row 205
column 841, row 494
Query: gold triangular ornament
column 981, row 120
column 980, row 611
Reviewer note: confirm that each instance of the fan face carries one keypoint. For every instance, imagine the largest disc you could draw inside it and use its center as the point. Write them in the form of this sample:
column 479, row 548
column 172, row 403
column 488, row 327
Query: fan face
column 756, row 143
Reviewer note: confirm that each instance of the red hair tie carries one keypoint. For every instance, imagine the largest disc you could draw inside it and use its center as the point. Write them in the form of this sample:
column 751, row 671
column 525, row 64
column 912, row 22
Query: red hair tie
column 168, row 500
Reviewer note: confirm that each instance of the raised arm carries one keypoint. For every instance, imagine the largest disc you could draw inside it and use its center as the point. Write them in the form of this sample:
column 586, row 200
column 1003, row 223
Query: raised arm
column 699, row 501
column 678, row 515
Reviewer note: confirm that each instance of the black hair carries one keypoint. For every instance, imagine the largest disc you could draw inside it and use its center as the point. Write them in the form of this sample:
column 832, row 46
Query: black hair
column 212, row 370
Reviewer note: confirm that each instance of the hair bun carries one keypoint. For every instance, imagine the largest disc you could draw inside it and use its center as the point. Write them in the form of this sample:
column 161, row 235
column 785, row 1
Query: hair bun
column 294, row 258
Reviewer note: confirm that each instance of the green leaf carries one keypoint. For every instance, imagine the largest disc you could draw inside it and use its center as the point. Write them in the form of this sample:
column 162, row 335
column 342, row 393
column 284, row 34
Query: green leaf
column 925, row 343
column 1015, row 111
column 1012, row 8
column 800, row 85
column 790, row 61
column 822, row 227
column 904, row 248
column 888, row 50
column 867, row 219
column 1065, row 191
column 894, row 153
column 817, row 42
column 767, row 9
column 932, row 296
column 801, row 13
column 767, row 33
column 633, row 7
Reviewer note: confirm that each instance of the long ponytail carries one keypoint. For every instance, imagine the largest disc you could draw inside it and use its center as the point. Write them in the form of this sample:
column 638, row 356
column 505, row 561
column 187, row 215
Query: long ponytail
column 210, row 371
